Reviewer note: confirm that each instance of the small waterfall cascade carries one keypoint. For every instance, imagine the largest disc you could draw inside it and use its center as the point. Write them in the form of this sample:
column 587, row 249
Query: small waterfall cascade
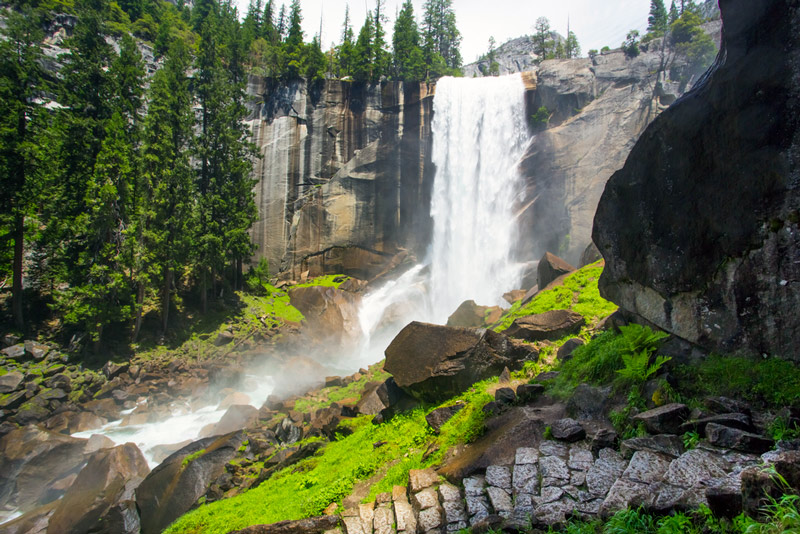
column 479, row 135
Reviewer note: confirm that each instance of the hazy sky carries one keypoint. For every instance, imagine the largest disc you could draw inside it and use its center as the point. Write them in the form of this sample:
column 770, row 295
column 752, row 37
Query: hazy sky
column 597, row 23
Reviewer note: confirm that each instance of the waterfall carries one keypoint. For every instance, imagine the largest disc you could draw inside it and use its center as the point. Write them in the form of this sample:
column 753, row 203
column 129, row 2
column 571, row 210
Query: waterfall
column 479, row 135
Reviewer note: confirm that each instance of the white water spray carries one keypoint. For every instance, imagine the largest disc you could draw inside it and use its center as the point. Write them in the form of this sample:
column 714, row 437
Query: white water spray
column 479, row 135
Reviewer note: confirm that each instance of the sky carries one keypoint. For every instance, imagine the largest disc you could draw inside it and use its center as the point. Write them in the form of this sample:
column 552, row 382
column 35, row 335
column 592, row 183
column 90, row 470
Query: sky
column 596, row 23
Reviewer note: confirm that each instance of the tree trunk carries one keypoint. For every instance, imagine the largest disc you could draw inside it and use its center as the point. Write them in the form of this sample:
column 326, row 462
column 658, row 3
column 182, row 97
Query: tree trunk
column 165, row 300
column 137, row 322
column 16, row 290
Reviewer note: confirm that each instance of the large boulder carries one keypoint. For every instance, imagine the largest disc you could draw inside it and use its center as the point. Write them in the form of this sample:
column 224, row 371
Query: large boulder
column 471, row 315
column 173, row 488
column 312, row 525
column 10, row 382
column 236, row 417
column 699, row 229
column 553, row 324
column 433, row 363
column 551, row 267
column 330, row 313
column 101, row 498
column 31, row 458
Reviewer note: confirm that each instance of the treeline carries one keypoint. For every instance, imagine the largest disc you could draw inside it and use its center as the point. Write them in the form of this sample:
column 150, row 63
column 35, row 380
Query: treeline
column 119, row 199
column 416, row 52
column 125, row 194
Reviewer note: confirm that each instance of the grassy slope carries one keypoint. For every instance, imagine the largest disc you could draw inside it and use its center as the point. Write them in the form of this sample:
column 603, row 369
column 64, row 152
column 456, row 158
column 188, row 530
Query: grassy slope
column 307, row 488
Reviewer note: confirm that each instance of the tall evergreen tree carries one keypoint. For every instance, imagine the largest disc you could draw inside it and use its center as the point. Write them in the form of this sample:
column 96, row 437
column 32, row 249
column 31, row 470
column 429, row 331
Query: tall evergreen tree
column 542, row 39
column 21, row 80
column 363, row 52
column 294, row 47
column 673, row 12
column 442, row 40
column 162, row 224
column 572, row 48
column 657, row 21
column 409, row 63
column 346, row 49
column 128, row 74
column 381, row 57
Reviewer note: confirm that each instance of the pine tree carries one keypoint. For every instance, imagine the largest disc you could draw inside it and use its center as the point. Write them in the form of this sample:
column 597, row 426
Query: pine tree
column 128, row 74
column 442, row 39
column 21, row 79
column 542, row 39
column 491, row 59
column 346, row 49
column 657, row 21
column 673, row 12
column 363, row 52
column 293, row 46
column 572, row 48
column 409, row 63
column 316, row 62
column 381, row 57
column 162, row 222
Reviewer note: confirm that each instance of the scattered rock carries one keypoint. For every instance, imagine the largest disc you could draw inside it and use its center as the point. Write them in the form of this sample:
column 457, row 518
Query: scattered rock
column 505, row 396
column 734, row 438
column 35, row 350
column 723, row 405
column 223, row 338
column 471, row 315
column 550, row 268
column 565, row 351
column 552, row 324
column 665, row 419
column 604, row 438
column 567, row 430
column 527, row 393
column 588, row 403
column 732, row 420
column 112, row 370
column 10, row 382
column 422, row 478
column 14, row 352
column 500, row 476
column 440, row 416
column 590, row 255
column 668, row 444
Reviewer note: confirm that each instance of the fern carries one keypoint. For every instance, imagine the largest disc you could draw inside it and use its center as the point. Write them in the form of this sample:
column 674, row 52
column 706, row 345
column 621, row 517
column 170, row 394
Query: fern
column 641, row 338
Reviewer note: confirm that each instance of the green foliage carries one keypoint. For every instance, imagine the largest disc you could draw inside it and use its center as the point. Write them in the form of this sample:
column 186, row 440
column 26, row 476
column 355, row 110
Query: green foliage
column 689, row 40
column 641, row 338
column 690, row 440
column 631, row 44
column 409, row 62
column 441, row 39
column 630, row 521
column 769, row 381
column 192, row 457
column 582, row 283
column 657, row 20
column 540, row 119
column 637, row 368
column 780, row 428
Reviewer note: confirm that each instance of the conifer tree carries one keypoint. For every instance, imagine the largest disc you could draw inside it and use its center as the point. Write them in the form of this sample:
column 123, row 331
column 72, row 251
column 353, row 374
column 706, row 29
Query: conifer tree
column 572, row 48
column 381, row 57
column 442, row 40
column 409, row 63
column 21, row 79
column 363, row 52
column 673, row 12
column 346, row 49
column 542, row 40
column 293, row 46
column 657, row 21
column 162, row 223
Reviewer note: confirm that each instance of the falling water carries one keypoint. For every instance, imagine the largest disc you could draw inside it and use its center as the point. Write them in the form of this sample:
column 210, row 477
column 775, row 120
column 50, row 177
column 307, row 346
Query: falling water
column 479, row 134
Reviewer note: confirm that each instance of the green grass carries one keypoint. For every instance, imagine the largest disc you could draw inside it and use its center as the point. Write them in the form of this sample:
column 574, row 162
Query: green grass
column 307, row 488
column 353, row 391
column 579, row 293
column 772, row 382
column 192, row 457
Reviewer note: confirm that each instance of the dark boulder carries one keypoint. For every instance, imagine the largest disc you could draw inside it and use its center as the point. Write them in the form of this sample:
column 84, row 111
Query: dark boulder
column 760, row 486
column 505, row 396
column 101, row 498
column 732, row 420
column 588, row 402
column 529, row 392
column 665, row 419
column 734, row 438
column 440, row 416
column 173, row 488
column 553, row 324
column 567, row 430
column 550, row 268
column 699, row 229
column 722, row 405
column 330, row 313
column 112, row 370
column 433, row 363
column 724, row 501
column 590, row 255
column 667, row 444
column 565, row 351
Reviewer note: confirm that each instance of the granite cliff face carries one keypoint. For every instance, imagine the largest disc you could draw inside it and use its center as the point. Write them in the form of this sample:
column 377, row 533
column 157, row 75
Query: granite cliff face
column 598, row 109
column 345, row 176
column 700, row 228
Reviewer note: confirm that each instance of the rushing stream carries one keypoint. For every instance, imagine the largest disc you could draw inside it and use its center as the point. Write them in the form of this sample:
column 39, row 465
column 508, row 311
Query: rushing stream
column 479, row 134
